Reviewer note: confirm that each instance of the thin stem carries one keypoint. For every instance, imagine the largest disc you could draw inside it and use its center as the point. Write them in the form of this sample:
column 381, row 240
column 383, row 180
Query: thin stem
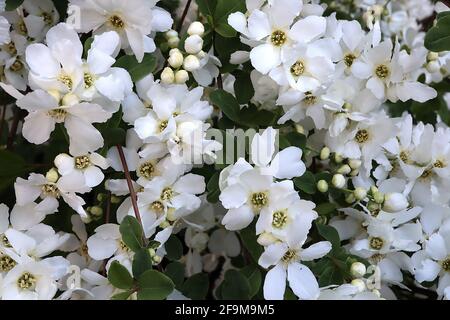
column 183, row 16
column 133, row 195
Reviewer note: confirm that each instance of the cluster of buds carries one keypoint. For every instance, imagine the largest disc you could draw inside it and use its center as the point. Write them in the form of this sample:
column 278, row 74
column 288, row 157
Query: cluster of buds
column 181, row 63
column 373, row 14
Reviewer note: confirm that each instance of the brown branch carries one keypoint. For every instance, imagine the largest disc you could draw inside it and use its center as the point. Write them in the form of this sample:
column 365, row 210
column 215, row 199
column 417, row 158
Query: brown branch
column 133, row 195
column 183, row 16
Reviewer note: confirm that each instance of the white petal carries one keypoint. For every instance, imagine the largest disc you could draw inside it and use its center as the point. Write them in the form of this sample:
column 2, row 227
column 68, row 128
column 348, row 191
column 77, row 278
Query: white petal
column 237, row 219
column 265, row 57
column 308, row 29
column 303, row 282
column 316, row 251
column 275, row 283
column 288, row 164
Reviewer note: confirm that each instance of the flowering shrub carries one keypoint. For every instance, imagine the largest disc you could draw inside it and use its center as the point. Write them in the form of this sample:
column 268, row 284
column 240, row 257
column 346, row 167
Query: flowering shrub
column 229, row 149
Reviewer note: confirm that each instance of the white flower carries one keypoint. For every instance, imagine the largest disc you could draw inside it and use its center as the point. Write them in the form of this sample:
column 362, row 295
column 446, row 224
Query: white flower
column 106, row 242
column 286, row 259
column 134, row 20
column 4, row 31
column 37, row 186
column 87, row 165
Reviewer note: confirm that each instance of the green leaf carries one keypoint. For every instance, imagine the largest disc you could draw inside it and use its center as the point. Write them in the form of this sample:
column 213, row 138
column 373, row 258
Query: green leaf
column 325, row 209
column 142, row 262
column 11, row 167
column 223, row 9
column 248, row 236
column 175, row 271
column 123, row 295
column 174, row 248
column 13, row 4
column 132, row 233
column 330, row 234
column 207, row 7
column 119, row 276
column 437, row 38
column 213, row 188
column 243, row 87
column 235, row 286
column 293, row 139
column 306, row 183
column 137, row 70
column 227, row 103
column 87, row 45
column 196, row 287
column 254, row 278
column 153, row 285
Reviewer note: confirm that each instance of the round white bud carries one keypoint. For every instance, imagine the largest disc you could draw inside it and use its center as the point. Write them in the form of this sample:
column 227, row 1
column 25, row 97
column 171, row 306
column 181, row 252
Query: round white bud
column 181, row 76
column 173, row 42
column 52, row 175
column 354, row 163
column 171, row 34
column 300, row 129
column 325, row 153
column 345, row 169
column 433, row 66
column 378, row 197
column 358, row 269
column 322, row 186
column 395, row 202
column 176, row 59
column 338, row 181
column 96, row 211
column 196, row 28
column 359, row 284
column 201, row 54
column 360, row 193
column 265, row 239
column 193, row 44
column 432, row 56
column 338, row 158
column 167, row 76
column 191, row 63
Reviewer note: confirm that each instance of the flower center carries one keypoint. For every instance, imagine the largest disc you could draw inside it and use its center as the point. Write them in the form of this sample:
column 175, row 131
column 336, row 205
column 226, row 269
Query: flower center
column 82, row 162
column 376, row 243
column 310, row 99
column 446, row 264
column 58, row 114
column 167, row 194
column 404, row 156
column 88, row 80
column 16, row 66
column 50, row 190
column 289, row 256
column 22, row 28
column 163, row 125
column 157, row 206
column 382, row 71
column 349, row 59
column 439, row 164
column 4, row 240
column 65, row 79
column 297, row 69
column 259, row 199
column 26, row 281
column 362, row 136
column 6, row 263
column 117, row 22
column 426, row 174
column 123, row 246
column 279, row 219
column 11, row 48
column 48, row 19
column 278, row 38
column 146, row 170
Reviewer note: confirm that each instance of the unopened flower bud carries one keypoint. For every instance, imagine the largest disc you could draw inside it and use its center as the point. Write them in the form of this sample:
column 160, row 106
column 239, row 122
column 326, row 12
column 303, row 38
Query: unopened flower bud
column 338, row 158
column 378, row 197
column 322, row 186
column 345, row 169
column 156, row 259
column 164, row 224
column 360, row 193
column 176, row 59
column 152, row 252
column 433, row 66
column 350, row 198
column 338, row 181
column 115, row 200
column 173, row 42
column 171, row 216
column 266, row 239
column 191, row 63
column 181, row 76
column 96, row 211
column 325, row 153
column 52, row 175
column 201, row 54
column 432, row 56
column 358, row 270
column 300, row 129
column 373, row 190
column 359, row 284
column 171, row 34
column 395, row 202
column 354, row 163
column 373, row 206
column 354, row 173
column 196, row 28
column 193, row 44
column 167, row 76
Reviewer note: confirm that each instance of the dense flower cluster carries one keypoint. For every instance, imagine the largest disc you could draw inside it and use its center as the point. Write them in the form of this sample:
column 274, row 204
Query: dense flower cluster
column 346, row 182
